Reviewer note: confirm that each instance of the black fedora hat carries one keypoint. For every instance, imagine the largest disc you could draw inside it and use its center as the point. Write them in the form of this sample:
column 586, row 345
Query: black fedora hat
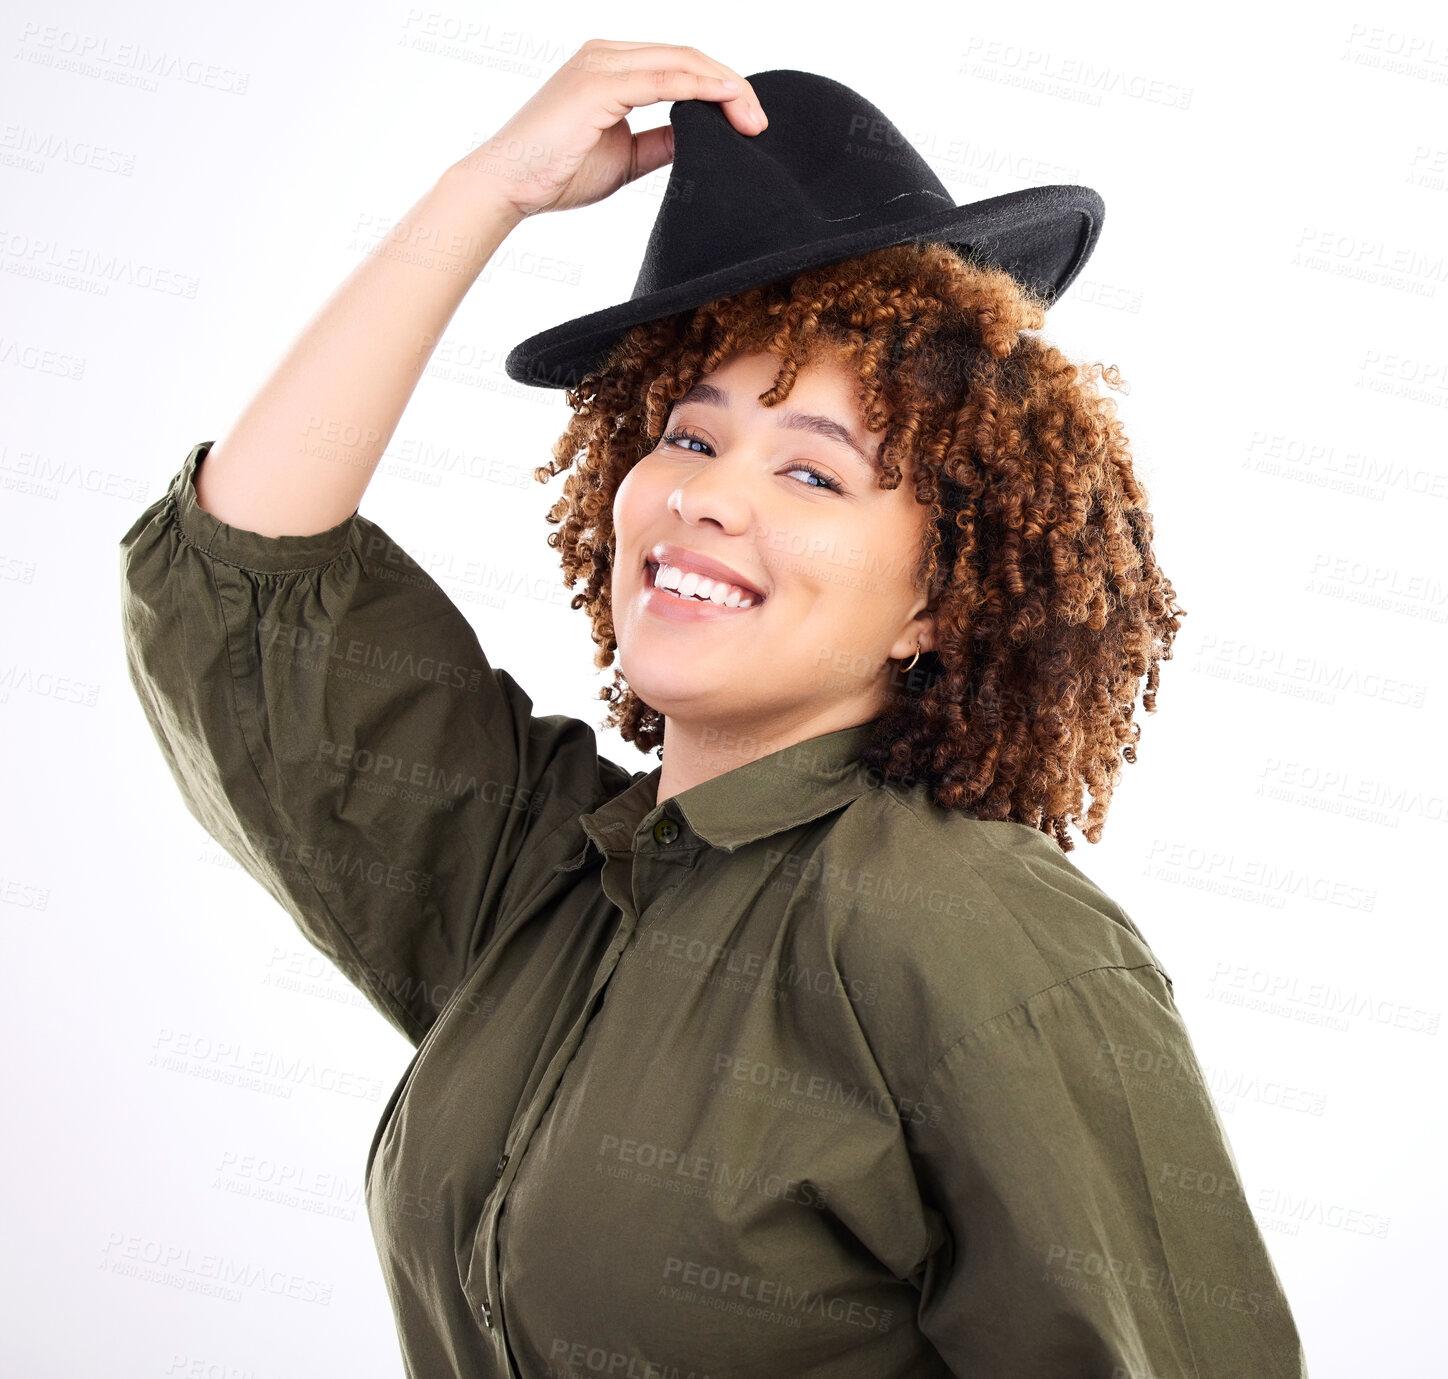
column 831, row 177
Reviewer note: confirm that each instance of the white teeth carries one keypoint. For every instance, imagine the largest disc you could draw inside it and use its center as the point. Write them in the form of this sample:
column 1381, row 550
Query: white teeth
column 693, row 585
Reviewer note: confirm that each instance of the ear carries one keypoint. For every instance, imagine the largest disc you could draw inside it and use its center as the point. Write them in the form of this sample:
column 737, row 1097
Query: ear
column 921, row 631
column 929, row 630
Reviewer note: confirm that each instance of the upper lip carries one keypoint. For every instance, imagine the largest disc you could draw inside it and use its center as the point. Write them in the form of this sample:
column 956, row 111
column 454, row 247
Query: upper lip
column 684, row 559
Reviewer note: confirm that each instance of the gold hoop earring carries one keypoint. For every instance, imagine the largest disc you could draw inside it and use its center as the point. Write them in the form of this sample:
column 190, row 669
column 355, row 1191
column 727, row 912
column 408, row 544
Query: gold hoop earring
column 913, row 659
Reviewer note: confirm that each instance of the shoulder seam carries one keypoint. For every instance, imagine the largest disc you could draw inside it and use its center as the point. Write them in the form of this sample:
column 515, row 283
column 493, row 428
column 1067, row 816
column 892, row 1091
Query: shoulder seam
column 1104, row 967
column 1027, row 1000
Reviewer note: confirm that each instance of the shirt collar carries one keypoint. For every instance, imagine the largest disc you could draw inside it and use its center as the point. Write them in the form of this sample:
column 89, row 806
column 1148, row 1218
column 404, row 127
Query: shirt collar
column 766, row 796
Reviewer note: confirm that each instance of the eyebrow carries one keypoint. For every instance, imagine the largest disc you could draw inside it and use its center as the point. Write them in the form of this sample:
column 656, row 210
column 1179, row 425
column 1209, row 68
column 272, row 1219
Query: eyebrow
column 791, row 420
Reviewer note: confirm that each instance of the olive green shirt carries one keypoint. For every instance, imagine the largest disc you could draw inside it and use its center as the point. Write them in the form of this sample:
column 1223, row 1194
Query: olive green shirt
column 794, row 1074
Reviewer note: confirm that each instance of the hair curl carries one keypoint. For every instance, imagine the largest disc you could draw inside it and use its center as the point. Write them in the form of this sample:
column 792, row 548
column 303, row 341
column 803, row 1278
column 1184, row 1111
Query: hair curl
column 1037, row 555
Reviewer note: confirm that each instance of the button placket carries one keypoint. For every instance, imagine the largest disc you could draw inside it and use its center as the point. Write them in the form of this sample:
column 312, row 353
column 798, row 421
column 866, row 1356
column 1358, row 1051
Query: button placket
column 661, row 866
column 492, row 1268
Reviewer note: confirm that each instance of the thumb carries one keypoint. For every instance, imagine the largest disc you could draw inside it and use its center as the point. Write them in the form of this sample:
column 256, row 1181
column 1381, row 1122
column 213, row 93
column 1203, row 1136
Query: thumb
column 652, row 149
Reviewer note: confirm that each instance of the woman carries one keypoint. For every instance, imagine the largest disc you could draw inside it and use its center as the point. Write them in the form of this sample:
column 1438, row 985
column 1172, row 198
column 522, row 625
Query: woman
column 808, row 1052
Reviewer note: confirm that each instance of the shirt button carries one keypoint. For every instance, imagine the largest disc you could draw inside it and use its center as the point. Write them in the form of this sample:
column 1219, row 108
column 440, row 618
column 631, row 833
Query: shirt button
column 502, row 1164
column 487, row 1315
column 666, row 830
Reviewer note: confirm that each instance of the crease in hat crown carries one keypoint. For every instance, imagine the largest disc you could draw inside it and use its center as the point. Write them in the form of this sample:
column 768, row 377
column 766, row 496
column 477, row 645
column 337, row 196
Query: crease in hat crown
column 831, row 177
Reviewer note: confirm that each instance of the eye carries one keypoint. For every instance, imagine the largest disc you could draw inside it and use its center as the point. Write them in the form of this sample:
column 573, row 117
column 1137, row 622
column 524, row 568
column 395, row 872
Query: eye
column 673, row 437
column 824, row 479
column 688, row 438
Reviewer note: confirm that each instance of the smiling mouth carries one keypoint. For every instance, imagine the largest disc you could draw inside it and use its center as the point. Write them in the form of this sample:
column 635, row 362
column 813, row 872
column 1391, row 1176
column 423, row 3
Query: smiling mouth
column 651, row 569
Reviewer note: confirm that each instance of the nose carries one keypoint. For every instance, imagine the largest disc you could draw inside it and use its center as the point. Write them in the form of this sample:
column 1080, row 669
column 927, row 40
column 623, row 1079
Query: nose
column 713, row 494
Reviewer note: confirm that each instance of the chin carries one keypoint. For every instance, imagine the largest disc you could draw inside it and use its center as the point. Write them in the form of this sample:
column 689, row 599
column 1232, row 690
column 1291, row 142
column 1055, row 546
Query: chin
column 669, row 688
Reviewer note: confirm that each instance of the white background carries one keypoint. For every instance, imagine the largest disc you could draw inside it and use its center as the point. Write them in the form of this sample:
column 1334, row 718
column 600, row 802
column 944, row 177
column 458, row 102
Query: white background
column 1271, row 280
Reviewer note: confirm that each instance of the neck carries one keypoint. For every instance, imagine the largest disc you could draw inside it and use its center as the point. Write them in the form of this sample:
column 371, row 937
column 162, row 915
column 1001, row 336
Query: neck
column 696, row 752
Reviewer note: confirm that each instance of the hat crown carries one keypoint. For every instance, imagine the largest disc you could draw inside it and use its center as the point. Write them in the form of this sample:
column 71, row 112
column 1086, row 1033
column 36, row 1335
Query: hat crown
column 837, row 163
column 829, row 179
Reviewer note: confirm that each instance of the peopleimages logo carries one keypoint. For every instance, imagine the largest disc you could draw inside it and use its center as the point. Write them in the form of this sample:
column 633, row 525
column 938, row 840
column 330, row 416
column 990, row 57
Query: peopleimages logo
column 1286, row 993
column 315, row 642
column 1110, row 1271
column 689, row 1281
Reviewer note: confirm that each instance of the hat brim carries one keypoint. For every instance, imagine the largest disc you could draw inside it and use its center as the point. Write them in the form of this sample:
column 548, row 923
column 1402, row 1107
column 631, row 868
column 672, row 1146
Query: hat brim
column 1053, row 229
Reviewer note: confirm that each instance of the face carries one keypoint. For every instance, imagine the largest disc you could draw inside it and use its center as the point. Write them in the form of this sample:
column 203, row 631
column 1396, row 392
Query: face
column 784, row 506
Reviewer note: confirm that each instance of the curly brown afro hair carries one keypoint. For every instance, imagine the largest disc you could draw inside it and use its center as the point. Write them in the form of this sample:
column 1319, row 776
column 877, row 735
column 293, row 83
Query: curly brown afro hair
column 1037, row 559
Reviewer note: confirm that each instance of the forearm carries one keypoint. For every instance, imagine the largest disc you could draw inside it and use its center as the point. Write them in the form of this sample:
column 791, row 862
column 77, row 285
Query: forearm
column 299, row 457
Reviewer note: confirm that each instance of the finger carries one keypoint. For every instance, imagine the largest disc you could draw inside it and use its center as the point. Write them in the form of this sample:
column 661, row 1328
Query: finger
column 667, row 56
column 642, row 86
column 681, row 56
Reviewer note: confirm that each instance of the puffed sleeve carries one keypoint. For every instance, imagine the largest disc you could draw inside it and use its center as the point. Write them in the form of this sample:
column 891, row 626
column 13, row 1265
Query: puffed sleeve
column 330, row 719
column 1096, row 1222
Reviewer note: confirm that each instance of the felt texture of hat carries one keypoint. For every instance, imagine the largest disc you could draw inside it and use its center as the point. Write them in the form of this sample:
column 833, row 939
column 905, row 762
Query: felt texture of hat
column 831, row 177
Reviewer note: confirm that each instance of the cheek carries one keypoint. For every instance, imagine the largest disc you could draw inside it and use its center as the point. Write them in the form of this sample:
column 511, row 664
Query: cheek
column 633, row 501
column 637, row 506
column 621, row 502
